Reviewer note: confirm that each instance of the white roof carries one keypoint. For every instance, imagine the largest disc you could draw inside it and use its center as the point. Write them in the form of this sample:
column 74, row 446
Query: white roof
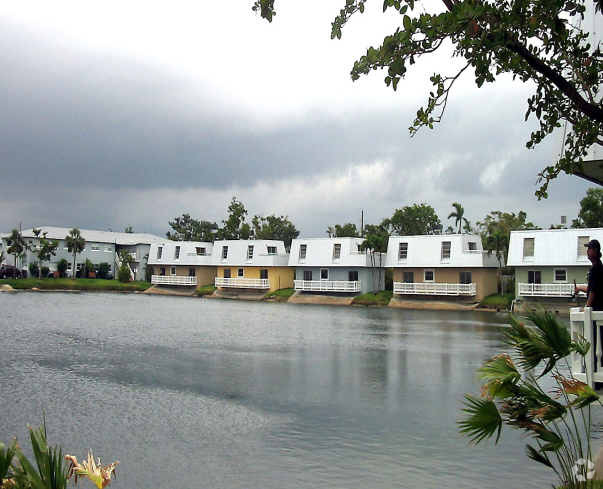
column 238, row 253
column 319, row 253
column 94, row 236
column 552, row 247
column 187, row 254
column 426, row 251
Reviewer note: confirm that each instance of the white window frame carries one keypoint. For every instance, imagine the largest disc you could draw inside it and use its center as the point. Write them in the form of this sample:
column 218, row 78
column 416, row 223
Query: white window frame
column 271, row 250
column 555, row 270
column 172, row 270
column 433, row 275
column 177, row 253
column 240, row 272
column 326, row 270
column 523, row 252
column 250, row 252
column 224, row 252
column 200, row 251
column 304, row 247
column 336, row 251
column 581, row 252
column 403, row 250
column 159, row 252
column 474, row 243
column 442, row 257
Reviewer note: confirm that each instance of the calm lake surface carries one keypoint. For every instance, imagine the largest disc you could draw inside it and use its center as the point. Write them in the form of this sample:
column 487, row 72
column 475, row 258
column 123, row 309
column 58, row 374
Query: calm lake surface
column 193, row 393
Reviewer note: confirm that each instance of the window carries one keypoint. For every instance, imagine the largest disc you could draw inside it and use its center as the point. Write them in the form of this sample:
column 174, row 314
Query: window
column 402, row 251
column 250, row 252
column 324, row 274
column 428, row 276
column 271, row 250
column 336, row 251
column 159, row 252
column 177, row 253
column 582, row 240
column 108, row 249
column 560, row 275
column 240, row 272
column 264, row 274
column 200, row 251
column 68, row 266
column 353, row 276
column 408, row 277
column 95, row 248
column 534, row 277
column 173, row 270
column 528, row 247
column 191, row 272
column 308, row 275
column 227, row 273
column 302, row 251
column 472, row 246
column 78, row 266
column 465, row 277
column 445, row 250
column 162, row 271
column 224, row 252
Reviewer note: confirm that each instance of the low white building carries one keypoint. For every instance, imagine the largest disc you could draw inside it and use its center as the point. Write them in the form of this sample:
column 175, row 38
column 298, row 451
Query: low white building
column 442, row 265
column 252, row 264
column 336, row 265
column 186, row 263
column 547, row 262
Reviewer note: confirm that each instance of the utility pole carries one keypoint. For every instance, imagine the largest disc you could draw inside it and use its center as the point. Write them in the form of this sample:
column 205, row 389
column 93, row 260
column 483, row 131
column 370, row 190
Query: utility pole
column 362, row 223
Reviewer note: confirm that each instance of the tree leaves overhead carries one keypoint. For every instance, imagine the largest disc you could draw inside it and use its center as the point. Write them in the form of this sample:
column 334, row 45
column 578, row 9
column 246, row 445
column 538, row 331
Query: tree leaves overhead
column 535, row 41
column 591, row 210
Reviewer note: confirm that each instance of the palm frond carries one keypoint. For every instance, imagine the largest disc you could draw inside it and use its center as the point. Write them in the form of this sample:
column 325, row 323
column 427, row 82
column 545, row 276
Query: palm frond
column 6, row 459
column 538, row 457
column 483, row 419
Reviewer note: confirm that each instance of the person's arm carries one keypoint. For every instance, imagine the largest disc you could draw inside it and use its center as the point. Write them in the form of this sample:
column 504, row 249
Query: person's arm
column 579, row 288
column 590, row 299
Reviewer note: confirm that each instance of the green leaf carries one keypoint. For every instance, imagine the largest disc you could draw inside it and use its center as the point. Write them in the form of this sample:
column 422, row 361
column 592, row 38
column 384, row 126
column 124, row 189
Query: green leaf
column 407, row 23
column 538, row 457
column 483, row 419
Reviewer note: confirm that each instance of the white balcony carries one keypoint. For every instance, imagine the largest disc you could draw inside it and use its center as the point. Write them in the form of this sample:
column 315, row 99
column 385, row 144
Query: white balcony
column 581, row 327
column 546, row 290
column 243, row 283
column 173, row 280
column 327, row 285
column 433, row 288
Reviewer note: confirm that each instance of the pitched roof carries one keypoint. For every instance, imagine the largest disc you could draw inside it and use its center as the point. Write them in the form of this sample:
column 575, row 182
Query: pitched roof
column 238, row 253
column 552, row 247
column 95, row 236
column 320, row 253
column 187, row 254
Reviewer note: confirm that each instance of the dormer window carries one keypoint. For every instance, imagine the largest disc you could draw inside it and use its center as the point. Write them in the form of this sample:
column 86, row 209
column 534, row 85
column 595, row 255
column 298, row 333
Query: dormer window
column 177, row 253
column 402, row 251
column 302, row 251
column 271, row 250
column 528, row 247
column 582, row 241
column 159, row 252
column 200, row 251
column 250, row 252
column 224, row 252
column 446, row 250
column 472, row 246
column 336, row 251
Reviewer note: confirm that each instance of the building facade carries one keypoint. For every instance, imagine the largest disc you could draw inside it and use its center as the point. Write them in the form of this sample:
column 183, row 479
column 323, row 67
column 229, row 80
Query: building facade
column 100, row 247
column 547, row 262
column 450, row 265
column 252, row 264
column 183, row 263
column 336, row 265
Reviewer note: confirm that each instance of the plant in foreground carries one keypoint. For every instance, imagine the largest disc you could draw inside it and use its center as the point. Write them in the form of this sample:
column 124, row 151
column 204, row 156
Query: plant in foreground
column 559, row 421
column 99, row 474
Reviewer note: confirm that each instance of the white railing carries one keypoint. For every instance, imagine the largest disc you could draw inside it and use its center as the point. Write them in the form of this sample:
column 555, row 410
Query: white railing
column 173, row 280
column 547, row 290
column 434, row 288
column 133, row 256
column 327, row 285
column 581, row 326
column 243, row 283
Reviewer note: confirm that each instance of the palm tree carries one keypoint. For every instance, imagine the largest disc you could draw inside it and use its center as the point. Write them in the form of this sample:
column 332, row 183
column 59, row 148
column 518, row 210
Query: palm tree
column 458, row 214
column 331, row 231
column 75, row 244
column 16, row 244
column 497, row 242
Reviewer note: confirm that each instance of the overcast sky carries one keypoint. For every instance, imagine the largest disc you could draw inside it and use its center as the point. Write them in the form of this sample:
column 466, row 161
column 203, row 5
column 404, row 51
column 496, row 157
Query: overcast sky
column 132, row 112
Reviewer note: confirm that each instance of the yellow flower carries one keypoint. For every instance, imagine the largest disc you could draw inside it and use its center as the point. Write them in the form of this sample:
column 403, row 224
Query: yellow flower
column 99, row 474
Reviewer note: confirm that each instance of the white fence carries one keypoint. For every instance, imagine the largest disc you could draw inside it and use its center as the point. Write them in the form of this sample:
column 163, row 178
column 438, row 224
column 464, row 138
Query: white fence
column 173, row 280
column 581, row 322
column 429, row 288
column 327, row 285
column 243, row 283
column 547, row 290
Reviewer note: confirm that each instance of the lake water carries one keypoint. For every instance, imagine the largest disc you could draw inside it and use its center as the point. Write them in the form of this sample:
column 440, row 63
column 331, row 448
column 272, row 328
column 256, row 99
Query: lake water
column 194, row 393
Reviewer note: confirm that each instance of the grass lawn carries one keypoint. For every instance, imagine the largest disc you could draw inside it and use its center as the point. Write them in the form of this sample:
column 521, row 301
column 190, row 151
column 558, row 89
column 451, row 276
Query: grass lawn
column 77, row 284
column 281, row 295
column 205, row 290
column 496, row 301
column 380, row 298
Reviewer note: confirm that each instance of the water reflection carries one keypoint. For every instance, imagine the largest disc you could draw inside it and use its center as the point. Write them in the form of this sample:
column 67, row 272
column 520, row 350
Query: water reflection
column 255, row 395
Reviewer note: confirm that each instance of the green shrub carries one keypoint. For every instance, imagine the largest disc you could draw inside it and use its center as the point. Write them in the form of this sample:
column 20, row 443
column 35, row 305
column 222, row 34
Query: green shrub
column 45, row 271
column 380, row 298
column 103, row 270
column 497, row 301
column 62, row 266
column 280, row 294
column 124, row 273
column 389, row 279
column 33, row 270
column 88, row 269
column 205, row 290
